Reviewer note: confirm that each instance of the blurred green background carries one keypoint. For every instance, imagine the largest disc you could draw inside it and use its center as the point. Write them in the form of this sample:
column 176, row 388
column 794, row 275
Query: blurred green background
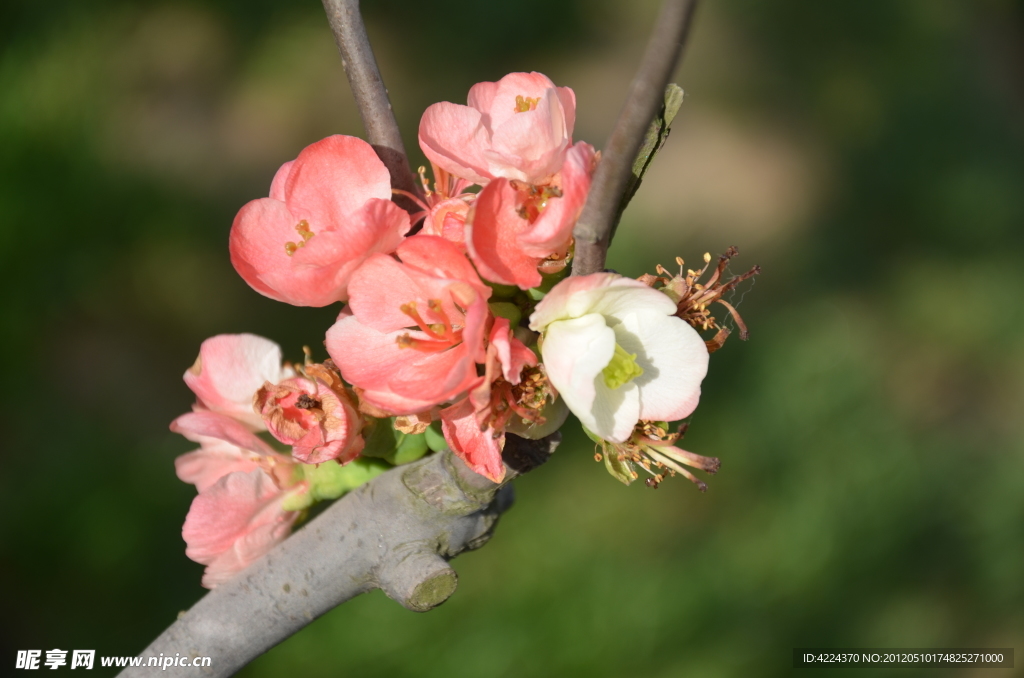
column 869, row 154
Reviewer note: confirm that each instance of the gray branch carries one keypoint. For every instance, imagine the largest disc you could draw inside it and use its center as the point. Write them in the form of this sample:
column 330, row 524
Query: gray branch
column 370, row 93
column 646, row 96
column 395, row 533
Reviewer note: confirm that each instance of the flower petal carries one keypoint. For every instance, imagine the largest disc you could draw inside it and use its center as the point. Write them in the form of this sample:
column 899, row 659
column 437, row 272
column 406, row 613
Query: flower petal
column 674, row 358
column 493, row 238
column 479, row 449
column 452, row 137
column 230, row 369
column 575, row 351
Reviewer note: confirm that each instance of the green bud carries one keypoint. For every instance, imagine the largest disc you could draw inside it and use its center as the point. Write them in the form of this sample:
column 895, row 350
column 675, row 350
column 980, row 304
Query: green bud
column 331, row 480
column 622, row 369
column 435, row 438
column 410, row 448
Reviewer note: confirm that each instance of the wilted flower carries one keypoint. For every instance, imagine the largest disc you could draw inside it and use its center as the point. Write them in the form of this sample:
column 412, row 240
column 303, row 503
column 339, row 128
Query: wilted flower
column 314, row 414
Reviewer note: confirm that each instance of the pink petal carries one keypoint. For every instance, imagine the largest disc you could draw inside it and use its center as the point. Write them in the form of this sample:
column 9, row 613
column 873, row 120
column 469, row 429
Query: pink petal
column 401, row 380
column 530, row 146
column 479, row 449
column 512, row 353
column 552, row 230
column 237, row 504
column 197, row 425
column 493, row 238
column 214, row 460
column 497, row 100
column 333, row 179
column 229, row 370
column 316, row 274
column 277, row 186
column 452, row 137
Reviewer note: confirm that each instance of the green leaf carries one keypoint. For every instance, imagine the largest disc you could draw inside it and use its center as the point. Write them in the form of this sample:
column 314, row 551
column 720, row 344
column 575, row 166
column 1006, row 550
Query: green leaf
column 655, row 138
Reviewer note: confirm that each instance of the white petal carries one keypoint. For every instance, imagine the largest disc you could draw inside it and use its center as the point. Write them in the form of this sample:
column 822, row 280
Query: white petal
column 674, row 359
column 615, row 411
column 575, row 351
column 606, row 293
column 628, row 296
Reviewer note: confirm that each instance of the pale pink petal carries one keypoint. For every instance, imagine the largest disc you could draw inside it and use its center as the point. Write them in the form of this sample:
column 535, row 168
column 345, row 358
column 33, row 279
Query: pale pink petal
column 229, row 370
column 214, row 460
column 498, row 103
column 604, row 293
column 530, row 146
column 481, row 450
column 198, row 425
column 234, row 506
column 452, row 137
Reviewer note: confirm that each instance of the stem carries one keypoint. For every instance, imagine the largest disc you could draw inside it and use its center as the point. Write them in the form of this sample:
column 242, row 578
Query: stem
column 370, row 93
column 646, row 96
column 396, row 533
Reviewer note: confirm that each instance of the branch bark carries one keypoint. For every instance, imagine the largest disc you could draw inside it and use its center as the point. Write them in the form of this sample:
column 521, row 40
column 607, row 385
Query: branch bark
column 395, row 533
column 370, row 93
column 646, row 96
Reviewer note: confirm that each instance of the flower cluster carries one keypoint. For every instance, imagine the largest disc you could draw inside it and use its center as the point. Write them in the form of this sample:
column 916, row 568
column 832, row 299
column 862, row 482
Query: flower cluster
column 460, row 324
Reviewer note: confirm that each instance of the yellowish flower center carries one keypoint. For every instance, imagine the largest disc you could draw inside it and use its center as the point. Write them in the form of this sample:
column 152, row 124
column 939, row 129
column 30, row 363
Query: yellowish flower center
column 302, row 228
column 524, row 104
column 622, row 369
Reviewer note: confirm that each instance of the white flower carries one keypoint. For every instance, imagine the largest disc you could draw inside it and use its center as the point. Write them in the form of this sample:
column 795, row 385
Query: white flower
column 617, row 354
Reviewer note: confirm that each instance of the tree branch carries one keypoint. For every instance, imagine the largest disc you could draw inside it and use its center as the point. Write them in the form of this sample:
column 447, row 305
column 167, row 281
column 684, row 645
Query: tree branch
column 395, row 533
column 370, row 93
column 646, row 96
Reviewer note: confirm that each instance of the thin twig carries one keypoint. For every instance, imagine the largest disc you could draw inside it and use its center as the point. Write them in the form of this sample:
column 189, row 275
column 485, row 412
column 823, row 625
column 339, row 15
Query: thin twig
column 370, row 93
column 646, row 96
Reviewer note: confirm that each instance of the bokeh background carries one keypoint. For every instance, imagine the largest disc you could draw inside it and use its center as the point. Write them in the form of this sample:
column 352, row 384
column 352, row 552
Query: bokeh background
column 868, row 154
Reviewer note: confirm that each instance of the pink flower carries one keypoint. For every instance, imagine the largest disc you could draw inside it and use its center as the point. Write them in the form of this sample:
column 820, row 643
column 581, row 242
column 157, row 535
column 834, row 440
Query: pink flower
column 328, row 210
column 447, row 219
column 517, row 128
column 474, row 427
column 235, row 521
column 229, row 369
column 414, row 330
column 516, row 226
column 314, row 414
column 239, row 513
